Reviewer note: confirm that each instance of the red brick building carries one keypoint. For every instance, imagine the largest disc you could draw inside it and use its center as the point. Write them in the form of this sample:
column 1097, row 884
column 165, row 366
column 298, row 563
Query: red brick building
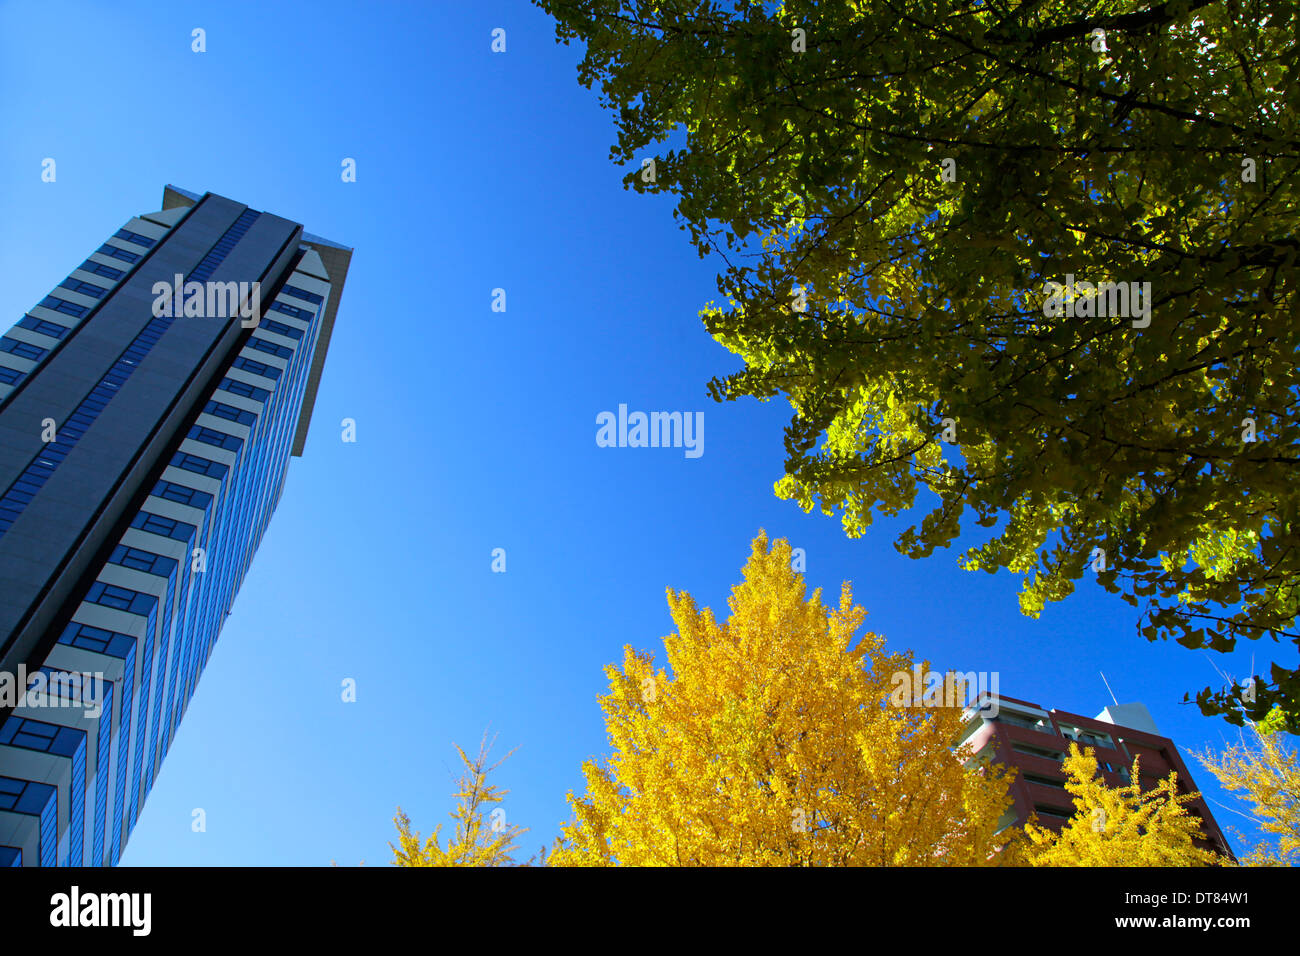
column 1021, row 734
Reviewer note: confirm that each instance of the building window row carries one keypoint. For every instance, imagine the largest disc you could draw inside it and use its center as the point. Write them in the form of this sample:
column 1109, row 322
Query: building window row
column 120, row 598
column 141, row 560
column 24, row 796
column 167, row 527
column 200, row 466
column 262, row 345
column 243, row 388
column 230, row 413
column 1054, row 812
column 33, row 324
column 257, row 368
column 135, row 237
column 83, row 288
column 280, row 328
column 56, row 304
column 123, row 254
column 303, row 294
column 22, row 349
column 210, row 436
column 99, row 269
column 38, row 735
column 182, row 495
column 293, row 310
column 97, row 639
column 1043, row 781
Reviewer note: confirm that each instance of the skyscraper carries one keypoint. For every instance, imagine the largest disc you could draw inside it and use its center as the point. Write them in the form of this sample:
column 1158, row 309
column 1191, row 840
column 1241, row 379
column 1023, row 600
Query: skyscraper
column 148, row 410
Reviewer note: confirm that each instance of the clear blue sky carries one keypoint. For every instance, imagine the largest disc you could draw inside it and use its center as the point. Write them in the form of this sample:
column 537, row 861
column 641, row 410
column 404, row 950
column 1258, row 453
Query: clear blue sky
column 475, row 429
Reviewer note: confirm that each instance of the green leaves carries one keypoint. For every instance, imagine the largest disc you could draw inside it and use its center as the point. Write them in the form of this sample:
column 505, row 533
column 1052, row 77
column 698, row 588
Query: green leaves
column 1124, row 173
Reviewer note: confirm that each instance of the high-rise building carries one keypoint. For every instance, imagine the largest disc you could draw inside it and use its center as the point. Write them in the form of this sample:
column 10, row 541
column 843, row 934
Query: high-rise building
column 1020, row 734
column 148, row 410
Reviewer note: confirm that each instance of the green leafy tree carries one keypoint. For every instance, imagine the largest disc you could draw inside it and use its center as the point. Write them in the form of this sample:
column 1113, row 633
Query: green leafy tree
column 892, row 184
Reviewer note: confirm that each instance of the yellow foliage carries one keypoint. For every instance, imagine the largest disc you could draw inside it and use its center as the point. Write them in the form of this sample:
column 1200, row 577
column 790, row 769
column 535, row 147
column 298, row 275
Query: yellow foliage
column 476, row 843
column 773, row 742
column 1119, row 826
column 1269, row 778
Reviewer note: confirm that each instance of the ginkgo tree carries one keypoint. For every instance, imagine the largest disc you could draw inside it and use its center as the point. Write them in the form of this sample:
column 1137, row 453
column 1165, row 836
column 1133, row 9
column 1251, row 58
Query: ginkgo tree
column 772, row 739
column 1263, row 768
column 900, row 190
column 477, row 842
column 1120, row 826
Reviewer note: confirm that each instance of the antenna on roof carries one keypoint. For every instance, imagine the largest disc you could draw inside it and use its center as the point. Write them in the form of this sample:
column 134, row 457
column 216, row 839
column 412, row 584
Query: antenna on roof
column 1107, row 683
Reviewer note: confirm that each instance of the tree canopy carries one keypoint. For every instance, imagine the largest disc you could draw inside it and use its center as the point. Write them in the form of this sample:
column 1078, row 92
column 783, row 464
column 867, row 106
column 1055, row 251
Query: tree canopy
column 1037, row 259
column 1265, row 771
column 773, row 742
column 476, row 842
column 1120, row 826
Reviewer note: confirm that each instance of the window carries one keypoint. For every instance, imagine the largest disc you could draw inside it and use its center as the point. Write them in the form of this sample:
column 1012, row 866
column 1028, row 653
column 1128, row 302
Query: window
column 1017, row 720
column 40, row 325
column 38, row 735
column 123, row 599
column 10, row 376
column 230, row 413
column 21, row 348
column 280, row 328
column 99, row 269
column 116, row 253
column 182, row 495
column 257, row 368
column 135, row 237
column 303, row 294
column 97, row 639
column 1038, row 751
column 220, row 439
column 145, row 561
column 167, row 527
column 1054, row 812
column 200, row 466
column 1044, row 781
column 64, row 306
column 22, row 796
column 85, row 288
column 263, row 345
column 243, row 388
column 1032, row 751
column 292, row 310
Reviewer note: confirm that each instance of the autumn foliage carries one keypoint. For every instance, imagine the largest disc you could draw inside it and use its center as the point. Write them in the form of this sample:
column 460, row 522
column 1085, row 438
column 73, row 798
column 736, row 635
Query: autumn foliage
column 779, row 738
column 770, row 741
column 477, row 842
column 1120, row 826
column 1263, row 769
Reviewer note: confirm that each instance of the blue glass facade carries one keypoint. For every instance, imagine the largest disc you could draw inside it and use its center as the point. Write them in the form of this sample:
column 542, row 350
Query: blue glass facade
column 73, row 778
